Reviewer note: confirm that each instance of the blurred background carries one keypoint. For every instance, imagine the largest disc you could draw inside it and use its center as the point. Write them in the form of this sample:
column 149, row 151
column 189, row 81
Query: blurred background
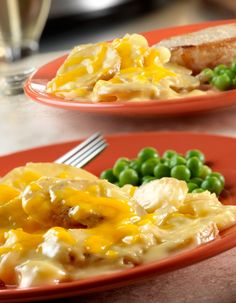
column 73, row 22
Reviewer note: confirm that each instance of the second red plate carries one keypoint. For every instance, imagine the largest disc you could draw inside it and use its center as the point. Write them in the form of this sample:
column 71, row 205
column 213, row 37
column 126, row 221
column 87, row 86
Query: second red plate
column 35, row 88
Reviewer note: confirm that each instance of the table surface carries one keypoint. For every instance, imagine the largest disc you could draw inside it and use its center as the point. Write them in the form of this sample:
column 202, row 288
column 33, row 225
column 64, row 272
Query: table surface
column 25, row 124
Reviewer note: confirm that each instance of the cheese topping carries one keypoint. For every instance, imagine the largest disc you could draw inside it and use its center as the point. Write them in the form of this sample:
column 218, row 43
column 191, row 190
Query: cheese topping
column 62, row 223
column 126, row 69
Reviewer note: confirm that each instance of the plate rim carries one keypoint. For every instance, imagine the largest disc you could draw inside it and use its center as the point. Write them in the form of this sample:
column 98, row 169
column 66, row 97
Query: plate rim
column 125, row 134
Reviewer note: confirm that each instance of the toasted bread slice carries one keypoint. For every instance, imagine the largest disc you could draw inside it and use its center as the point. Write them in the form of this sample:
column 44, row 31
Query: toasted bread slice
column 205, row 48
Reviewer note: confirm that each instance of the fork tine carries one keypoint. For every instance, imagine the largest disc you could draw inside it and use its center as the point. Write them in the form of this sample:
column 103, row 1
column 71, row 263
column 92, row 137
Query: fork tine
column 66, row 157
column 81, row 152
column 89, row 154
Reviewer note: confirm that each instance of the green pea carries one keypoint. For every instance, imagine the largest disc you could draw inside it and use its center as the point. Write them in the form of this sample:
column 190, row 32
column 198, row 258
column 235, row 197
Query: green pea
column 217, row 175
column 147, row 179
column 147, row 168
column 165, row 161
column 195, row 165
column 198, row 190
column 213, row 184
column 136, row 165
column 222, row 82
column 207, row 74
column 120, row 165
column 168, row 154
column 195, row 153
column 233, row 66
column 191, row 186
column 128, row 176
column 161, row 170
column 147, row 152
column 234, row 82
column 180, row 172
column 177, row 160
column 108, row 175
column 230, row 73
column 219, row 69
column 205, row 171
column 197, row 181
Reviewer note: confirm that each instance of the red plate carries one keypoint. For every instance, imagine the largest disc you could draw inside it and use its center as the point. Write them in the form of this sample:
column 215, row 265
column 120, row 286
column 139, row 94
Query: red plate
column 35, row 88
column 220, row 151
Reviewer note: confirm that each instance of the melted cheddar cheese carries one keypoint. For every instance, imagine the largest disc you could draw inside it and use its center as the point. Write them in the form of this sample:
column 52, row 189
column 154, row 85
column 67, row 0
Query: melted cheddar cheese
column 59, row 223
column 126, row 69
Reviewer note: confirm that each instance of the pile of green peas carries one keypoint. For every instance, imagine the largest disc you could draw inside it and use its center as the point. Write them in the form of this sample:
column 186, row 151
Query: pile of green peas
column 222, row 77
column 149, row 165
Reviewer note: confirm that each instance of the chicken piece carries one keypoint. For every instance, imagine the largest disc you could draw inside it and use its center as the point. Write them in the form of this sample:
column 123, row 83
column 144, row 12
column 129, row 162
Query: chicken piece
column 205, row 48
column 73, row 203
column 49, row 197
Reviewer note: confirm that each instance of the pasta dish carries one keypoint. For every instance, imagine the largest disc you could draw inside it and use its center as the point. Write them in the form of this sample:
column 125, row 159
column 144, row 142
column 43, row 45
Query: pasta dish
column 59, row 223
column 126, row 69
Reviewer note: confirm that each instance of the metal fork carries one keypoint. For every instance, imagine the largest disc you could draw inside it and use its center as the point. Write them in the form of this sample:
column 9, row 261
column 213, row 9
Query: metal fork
column 84, row 152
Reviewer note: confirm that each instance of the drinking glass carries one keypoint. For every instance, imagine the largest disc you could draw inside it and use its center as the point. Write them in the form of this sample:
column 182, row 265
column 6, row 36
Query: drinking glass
column 21, row 25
